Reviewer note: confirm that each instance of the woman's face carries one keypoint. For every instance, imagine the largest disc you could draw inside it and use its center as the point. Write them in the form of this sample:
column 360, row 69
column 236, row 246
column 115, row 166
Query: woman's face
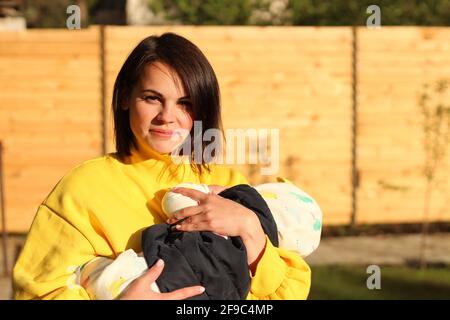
column 159, row 109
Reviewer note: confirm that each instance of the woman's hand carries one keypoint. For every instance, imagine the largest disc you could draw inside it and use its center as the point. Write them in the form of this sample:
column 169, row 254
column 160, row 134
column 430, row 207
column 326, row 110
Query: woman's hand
column 140, row 289
column 223, row 216
column 213, row 213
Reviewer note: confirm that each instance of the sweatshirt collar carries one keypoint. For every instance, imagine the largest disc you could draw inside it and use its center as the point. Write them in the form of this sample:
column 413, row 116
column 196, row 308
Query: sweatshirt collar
column 151, row 158
column 146, row 155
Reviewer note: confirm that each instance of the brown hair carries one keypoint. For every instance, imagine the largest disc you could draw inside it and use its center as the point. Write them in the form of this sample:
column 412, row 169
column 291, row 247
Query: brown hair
column 195, row 72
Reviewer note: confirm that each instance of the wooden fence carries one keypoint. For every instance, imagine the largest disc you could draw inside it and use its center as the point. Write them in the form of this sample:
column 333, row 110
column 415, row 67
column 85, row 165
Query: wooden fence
column 310, row 82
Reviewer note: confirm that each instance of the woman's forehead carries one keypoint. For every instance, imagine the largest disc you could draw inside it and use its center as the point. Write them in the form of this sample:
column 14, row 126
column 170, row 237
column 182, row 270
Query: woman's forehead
column 163, row 79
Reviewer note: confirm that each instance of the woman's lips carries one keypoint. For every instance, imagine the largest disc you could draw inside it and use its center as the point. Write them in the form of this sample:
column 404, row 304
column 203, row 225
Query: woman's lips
column 162, row 133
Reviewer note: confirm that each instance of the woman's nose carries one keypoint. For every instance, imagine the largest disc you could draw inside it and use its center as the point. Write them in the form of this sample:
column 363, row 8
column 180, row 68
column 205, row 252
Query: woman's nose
column 167, row 113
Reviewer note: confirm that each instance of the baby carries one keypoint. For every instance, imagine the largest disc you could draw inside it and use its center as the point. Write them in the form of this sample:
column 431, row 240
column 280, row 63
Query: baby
column 297, row 221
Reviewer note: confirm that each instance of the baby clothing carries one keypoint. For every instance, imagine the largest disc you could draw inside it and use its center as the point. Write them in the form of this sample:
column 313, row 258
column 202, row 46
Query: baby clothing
column 289, row 216
column 205, row 258
column 105, row 278
column 297, row 214
column 192, row 258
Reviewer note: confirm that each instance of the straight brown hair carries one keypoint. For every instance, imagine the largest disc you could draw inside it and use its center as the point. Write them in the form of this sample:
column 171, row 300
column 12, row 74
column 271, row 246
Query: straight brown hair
column 197, row 77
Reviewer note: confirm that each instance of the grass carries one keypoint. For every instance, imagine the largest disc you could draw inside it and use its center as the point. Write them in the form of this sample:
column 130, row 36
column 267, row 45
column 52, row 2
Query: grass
column 349, row 282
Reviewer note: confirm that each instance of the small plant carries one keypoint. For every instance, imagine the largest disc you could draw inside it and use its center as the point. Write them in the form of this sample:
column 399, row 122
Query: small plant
column 436, row 129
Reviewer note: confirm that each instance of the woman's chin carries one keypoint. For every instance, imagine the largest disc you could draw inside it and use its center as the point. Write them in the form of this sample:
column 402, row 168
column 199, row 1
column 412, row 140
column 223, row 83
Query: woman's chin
column 162, row 148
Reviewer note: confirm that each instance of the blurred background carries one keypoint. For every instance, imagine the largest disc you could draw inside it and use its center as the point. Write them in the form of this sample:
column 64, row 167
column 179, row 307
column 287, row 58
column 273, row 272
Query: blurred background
column 363, row 113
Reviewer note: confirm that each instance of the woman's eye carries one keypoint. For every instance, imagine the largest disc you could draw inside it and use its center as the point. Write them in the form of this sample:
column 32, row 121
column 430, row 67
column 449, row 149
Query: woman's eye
column 151, row 98
column 186, row 104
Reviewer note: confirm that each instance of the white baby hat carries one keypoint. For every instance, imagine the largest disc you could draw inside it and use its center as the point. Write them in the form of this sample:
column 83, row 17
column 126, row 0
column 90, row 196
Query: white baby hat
column 172, row 201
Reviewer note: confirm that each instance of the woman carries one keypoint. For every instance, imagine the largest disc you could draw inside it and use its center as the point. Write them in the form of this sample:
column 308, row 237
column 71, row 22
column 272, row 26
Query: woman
column 101, row 207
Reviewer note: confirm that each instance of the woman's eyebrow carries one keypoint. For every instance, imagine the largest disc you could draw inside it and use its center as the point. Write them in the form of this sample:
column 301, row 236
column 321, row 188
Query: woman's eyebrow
column 153, row 91
column 160, row 95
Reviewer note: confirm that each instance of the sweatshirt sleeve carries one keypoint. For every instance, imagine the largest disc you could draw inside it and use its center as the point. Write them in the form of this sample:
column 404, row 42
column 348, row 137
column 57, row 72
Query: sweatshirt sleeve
column 280, row 275
column 46, row 266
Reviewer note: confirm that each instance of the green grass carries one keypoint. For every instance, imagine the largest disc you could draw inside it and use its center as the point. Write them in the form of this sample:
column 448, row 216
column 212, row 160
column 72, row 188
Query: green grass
column 349, row 282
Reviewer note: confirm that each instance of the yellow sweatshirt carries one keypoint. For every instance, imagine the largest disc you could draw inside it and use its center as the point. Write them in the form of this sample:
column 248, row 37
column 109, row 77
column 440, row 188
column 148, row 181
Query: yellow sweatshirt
column 101, row 207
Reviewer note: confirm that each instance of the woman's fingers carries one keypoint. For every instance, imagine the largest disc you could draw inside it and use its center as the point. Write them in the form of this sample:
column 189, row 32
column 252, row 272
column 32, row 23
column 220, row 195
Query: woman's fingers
column 140, row 289
column 191, row 193
column 153, row 273
column 194, row 223
column 184, row 213
column 183, row 293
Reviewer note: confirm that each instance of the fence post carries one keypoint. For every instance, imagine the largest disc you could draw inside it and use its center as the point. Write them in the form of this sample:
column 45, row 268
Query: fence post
column 2, row 207
column 355, row 172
